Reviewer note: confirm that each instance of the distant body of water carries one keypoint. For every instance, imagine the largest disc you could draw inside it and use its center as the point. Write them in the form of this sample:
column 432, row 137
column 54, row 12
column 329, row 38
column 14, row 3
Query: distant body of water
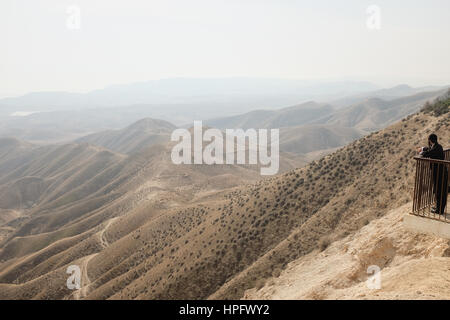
column 22, row 113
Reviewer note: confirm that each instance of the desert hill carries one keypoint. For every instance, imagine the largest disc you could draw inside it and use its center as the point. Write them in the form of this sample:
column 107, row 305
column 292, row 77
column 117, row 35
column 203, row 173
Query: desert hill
column 381, row 187
column 286, row 117
column 75, row 186
column 308, row 139
column 312, row 127
column 77, row 191
column 272, row 222
column 370, row 113
column 297, row 135
column 51, row 166
column 193, row 239
column 376, row 113
column 139, row 135
column 312, row 141
column 414, row 266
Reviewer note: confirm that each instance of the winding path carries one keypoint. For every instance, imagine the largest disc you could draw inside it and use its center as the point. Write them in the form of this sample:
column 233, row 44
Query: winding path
column 85, row 281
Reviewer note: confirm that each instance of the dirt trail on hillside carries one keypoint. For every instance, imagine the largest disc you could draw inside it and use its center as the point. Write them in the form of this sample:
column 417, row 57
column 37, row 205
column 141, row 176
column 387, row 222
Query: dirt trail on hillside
column 103, row 240
column 85, row 281
column 413, row 266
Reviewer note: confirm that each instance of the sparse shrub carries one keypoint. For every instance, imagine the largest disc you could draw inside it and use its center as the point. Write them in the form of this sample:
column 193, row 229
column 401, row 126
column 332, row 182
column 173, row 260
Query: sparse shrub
column 324, row 242
column 259, row 284
column 276, row 273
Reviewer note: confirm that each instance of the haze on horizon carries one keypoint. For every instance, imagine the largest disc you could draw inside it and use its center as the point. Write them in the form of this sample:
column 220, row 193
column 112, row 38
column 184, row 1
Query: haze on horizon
column 126, row 42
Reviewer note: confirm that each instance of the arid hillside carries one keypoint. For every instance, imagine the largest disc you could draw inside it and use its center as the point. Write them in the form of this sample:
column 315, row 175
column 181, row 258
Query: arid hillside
column 313, row 127
column 134, row 138
column 197, row 232
column 285, row 117
column 413, row 266
column 308, row 139
column 376, row 113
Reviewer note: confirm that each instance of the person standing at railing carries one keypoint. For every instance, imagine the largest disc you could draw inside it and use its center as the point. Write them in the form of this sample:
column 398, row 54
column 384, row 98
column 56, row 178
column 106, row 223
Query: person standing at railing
column 440, row 172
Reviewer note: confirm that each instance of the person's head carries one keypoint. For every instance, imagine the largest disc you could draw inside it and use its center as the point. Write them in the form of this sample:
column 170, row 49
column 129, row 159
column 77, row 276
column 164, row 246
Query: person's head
column 432, row 139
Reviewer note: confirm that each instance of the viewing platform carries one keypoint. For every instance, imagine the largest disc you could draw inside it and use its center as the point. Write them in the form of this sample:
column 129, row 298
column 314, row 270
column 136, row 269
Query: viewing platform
column 430, row 213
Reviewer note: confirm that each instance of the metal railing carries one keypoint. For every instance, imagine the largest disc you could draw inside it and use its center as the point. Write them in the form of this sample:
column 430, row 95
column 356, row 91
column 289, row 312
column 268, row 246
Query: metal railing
column 431, row 188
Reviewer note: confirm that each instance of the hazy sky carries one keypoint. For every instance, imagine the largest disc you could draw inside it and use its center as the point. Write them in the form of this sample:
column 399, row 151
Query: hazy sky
column 134, row 40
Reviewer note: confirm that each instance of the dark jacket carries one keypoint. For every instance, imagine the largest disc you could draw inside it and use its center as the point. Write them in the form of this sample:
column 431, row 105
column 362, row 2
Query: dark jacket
column 440, row 172
column 435, row 152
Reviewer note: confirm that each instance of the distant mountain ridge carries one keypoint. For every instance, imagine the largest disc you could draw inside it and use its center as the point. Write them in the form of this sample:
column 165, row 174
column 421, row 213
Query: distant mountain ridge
column 398, row 91
column 371, row 114
column 376, row 113
column 285, row 117
column 305, row 128
column 187, row 91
